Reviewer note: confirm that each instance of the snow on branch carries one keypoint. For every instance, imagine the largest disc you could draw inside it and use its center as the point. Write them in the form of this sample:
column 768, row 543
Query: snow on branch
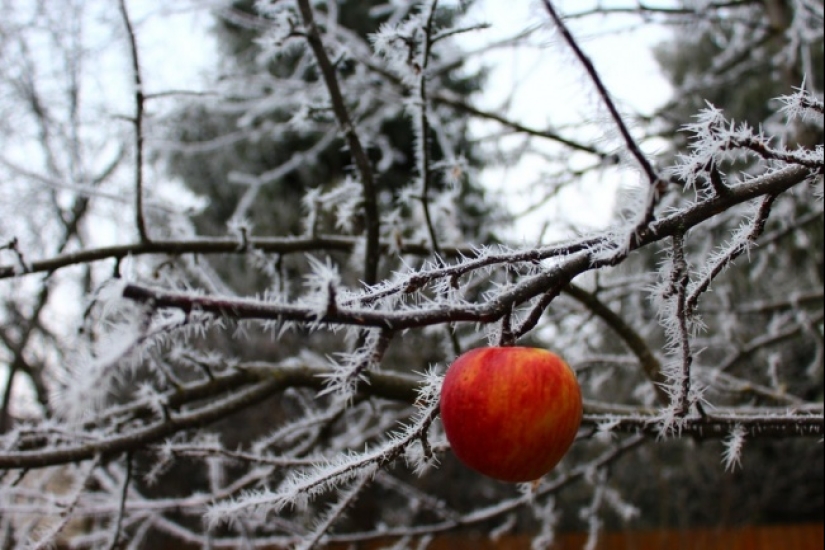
column 805, row 106
column 717, row 141
column 356, row 468
column 740, row 243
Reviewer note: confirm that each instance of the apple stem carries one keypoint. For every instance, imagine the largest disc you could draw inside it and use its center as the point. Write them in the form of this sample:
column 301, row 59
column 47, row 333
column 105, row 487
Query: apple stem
column 507, row 338
column 424, row 436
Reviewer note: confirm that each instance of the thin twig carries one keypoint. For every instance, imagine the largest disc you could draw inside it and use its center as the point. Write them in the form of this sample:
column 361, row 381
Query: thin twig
column 775, row 182
column 75, row 492
column 424, row 171
column 757, row 227
column 337, row 510
column 124, row 493
column 643, row 9
column 217, row 245
column 424, row 153
column 630, row 143
column 679, row 280
column 533, row 317
column 465, row 107
column 138, row 123
column 794, row 301
column 765, row 340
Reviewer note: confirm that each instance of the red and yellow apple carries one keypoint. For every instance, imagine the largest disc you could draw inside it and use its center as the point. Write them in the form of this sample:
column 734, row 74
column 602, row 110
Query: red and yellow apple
column 510, row 413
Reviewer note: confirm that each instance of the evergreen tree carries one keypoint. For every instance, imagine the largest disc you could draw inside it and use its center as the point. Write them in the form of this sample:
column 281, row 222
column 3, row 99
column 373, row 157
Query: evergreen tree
column 263, row 139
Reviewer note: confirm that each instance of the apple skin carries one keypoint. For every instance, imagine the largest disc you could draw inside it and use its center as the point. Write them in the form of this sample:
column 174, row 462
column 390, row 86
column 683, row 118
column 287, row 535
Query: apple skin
column 510, row 413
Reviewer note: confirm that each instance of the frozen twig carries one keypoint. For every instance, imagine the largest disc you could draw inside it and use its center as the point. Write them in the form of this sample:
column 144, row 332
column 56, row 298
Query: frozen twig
column 76, row 492
column 245, row 389
column 732, row 455
column 362, row 161
column 654, row 181
column 738, row 247
column 345, row 499
column 117, row 523
column 679, row 281
column 137, row 120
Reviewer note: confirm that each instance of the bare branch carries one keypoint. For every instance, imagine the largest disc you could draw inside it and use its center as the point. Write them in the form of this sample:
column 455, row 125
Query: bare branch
column 423, row 153
column 118, row 522
column 630, row 143
column 645, row 10
column 138, row 123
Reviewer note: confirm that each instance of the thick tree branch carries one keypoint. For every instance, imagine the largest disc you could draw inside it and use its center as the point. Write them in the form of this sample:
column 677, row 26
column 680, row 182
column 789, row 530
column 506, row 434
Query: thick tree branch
column 257, row 381
column 485, row 312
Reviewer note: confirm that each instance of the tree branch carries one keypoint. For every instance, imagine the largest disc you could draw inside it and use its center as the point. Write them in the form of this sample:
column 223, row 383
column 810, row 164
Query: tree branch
column 217, row 245
column 643, row 9
column 574, row 264
column 362, row 161
column 630, row 143
column 465, row 107
column 424, row 171
column 254, row 382
column 138, row 123
column 651, row 366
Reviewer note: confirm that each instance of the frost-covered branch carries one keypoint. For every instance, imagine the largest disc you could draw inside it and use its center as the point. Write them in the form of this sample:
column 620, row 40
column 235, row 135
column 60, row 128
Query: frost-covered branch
column 138, row 122
column 118, row 520
column 739, row 246
column 252, row 382
column 492, row 310
column 348, row 127
column 593, row 75
column 217, row 245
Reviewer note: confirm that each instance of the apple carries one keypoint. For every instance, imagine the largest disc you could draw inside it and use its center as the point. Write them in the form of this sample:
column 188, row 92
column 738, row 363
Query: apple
column 510, row 413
